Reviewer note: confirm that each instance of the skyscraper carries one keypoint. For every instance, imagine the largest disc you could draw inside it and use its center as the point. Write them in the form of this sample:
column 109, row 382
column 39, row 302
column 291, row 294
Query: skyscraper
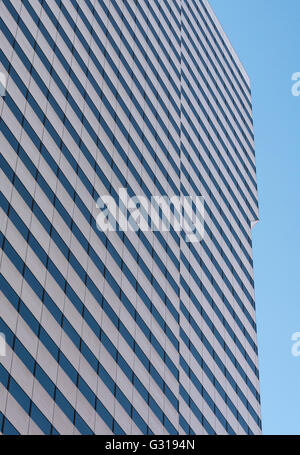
column 124, row 332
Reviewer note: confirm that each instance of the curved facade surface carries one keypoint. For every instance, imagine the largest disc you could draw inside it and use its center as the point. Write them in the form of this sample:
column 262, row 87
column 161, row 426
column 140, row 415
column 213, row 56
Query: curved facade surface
column 124, row 331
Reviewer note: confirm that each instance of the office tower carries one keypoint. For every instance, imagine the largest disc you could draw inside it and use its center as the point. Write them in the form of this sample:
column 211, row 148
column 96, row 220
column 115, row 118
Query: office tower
column 123, row 332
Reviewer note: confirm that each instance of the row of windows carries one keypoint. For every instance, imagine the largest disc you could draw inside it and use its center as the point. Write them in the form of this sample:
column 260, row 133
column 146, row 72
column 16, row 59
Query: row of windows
column 201, row 362
column 59, row 207
column 212, row 35
column 223, row 127
column 87, row 353
column 224, row 422
column 146, row 36
column 32, row 410
column 41, row 115
column 74, row 134
column 49, row 386
column 251, row 300
column 176, row 289
column 35, row 285
column 222, row 159
column 216, row 31
column 226, row 261
column 79, row 343
column 109, row 59
column 171, row 281
column 114, row 68
column 208, row 55
column 25, row 402
column 92, row 254
column 217, row 205
column 219, row 269
column 213, row 353
column 6, row 427
column 243, row 164
column 143, row 71
column 169, row 35
column 186, row 427
column 221, row 295
column 83, row 241
column 180, row 25
column 84, row 349
column 66, row 217
column 219, row 314
column 50, row 266
column 196, row 411
column 212, row 124
column 113, row 89
column 129, row 70
column 116, row 48
column 224, row 71
column 27, row 235
column 217, row 119
column 212, row 405
column 60, row 244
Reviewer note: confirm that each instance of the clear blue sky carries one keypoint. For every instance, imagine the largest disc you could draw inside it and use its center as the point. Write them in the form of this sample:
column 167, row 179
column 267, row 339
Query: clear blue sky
column 266, row 36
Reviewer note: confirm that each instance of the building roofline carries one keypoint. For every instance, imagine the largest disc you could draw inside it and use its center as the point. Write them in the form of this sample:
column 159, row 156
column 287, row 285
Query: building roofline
column 226, row 40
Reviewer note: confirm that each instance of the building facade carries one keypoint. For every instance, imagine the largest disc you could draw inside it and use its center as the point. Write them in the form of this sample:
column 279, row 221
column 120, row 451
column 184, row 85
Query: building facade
column 124, row 332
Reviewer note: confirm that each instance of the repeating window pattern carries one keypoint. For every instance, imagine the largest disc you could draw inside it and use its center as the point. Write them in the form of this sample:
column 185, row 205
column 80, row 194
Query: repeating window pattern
column 143, row 333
